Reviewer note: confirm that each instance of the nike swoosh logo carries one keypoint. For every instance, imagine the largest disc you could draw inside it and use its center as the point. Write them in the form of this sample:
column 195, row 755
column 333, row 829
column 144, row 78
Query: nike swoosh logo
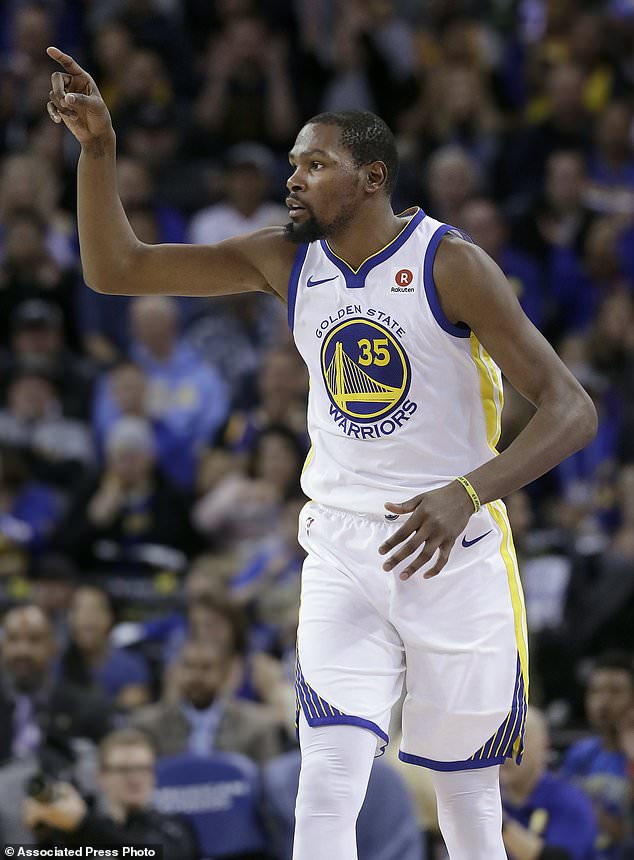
column 467, row 543
column 310, row 283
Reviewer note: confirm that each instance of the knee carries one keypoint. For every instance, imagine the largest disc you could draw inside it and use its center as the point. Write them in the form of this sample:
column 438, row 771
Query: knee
column 327, row 786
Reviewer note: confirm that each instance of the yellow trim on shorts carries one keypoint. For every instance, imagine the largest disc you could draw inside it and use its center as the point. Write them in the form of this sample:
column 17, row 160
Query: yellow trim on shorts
column 309, row 457
column 498, row 512
column 490, row 391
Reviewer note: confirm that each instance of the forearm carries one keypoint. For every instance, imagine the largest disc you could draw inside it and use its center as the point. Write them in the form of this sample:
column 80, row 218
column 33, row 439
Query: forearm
column 106, row 239
column 561, row 425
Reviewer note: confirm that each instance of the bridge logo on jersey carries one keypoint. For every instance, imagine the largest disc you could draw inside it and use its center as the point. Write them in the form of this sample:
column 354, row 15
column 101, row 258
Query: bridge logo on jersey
column 367, row 376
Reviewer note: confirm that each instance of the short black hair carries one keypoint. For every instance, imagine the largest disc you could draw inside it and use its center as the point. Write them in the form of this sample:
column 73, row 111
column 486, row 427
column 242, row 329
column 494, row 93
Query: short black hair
column 367, row 137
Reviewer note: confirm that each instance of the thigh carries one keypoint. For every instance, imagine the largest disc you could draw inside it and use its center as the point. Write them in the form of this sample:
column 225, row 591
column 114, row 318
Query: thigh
column 464, row 635
column 350, row 659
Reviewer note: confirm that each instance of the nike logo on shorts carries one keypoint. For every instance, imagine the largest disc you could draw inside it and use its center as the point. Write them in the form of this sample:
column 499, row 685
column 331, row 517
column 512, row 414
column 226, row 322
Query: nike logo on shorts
column 311, row 283
column 468, row 543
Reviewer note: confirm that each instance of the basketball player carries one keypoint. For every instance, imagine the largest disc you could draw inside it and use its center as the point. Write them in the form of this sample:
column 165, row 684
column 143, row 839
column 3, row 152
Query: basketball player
column 411, row 577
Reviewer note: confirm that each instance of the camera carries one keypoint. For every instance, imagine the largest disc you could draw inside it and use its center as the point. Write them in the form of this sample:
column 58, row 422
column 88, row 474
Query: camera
column 41, row 787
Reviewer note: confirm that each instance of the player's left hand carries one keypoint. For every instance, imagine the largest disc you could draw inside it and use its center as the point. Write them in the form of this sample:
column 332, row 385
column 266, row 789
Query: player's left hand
column 437, row 518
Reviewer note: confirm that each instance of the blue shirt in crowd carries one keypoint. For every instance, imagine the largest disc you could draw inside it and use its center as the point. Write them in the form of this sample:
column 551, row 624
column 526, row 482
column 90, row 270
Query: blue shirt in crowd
column 561, row 815
column 602, row 774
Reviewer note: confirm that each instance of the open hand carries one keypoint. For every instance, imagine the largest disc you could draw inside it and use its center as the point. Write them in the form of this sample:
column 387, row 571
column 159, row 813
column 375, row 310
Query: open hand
column 75, row 100
column 437, row 518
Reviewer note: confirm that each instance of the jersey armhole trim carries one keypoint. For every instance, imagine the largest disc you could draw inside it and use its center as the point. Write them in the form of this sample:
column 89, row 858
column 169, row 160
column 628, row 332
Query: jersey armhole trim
column 293, row 281
column 457, row 330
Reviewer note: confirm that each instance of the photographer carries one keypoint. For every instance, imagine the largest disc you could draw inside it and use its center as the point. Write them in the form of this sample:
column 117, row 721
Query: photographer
column 122, row 815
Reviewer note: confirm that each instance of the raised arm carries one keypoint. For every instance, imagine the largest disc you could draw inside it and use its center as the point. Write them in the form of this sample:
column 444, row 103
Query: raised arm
column 113, row 259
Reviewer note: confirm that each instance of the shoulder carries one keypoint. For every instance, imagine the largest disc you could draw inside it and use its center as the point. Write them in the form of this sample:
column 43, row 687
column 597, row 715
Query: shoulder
column 456, row 259
column 472, row 288
column 558, row 792
column 253, row 714
column 583, row 752
column 155, row 715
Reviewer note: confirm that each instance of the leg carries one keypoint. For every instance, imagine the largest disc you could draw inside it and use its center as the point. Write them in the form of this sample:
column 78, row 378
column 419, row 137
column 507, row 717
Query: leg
column 470, row 813
column 336, row 765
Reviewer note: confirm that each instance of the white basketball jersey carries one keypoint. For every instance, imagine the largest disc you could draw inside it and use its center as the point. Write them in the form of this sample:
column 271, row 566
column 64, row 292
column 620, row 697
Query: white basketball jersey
column 401, row 401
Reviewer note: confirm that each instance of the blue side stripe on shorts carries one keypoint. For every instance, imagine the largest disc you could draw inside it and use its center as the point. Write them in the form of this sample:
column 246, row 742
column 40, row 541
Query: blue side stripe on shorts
column 319, row 712
column 508, row 740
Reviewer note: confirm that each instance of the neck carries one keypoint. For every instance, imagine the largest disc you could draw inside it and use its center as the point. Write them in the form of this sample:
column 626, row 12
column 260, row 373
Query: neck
column 246, row 208
column 370, row 231
column 95, row 654
column 162, row 351
column 610, row 740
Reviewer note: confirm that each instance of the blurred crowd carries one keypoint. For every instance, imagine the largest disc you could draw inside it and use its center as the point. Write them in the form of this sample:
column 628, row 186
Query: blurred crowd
column 150, row 448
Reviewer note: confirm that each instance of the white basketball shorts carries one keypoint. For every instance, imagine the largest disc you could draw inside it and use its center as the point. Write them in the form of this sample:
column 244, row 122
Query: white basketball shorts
column 458, row 641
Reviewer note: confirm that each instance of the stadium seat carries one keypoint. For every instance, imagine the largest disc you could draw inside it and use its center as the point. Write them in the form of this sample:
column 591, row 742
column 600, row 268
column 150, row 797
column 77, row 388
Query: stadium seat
column 219, row 794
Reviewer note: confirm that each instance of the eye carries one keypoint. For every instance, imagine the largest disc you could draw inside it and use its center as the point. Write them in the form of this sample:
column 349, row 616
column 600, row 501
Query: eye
column 316, row 165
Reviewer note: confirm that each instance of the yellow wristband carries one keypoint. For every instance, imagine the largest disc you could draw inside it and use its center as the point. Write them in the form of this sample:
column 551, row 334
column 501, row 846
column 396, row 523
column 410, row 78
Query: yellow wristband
column 472, row 493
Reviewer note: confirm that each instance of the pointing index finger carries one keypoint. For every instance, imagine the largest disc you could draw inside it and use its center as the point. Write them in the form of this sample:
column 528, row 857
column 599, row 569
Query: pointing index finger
column 65, row 60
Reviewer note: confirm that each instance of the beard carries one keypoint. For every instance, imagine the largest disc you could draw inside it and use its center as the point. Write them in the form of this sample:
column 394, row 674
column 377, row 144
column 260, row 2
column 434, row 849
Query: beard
column 312, row 229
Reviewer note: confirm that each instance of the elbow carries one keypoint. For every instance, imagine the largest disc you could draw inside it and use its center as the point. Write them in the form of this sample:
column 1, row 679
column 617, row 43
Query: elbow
column 583, row 419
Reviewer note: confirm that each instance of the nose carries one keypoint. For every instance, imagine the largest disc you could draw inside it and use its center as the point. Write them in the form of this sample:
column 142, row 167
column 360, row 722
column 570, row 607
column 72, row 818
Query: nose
column 295, row 181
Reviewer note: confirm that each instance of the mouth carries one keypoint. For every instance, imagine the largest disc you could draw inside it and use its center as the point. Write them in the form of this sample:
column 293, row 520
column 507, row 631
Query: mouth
column 295, row 208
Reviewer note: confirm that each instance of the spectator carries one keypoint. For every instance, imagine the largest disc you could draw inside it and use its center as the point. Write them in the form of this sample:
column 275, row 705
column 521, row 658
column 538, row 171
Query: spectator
column 235, row 337
column 185, row 395
column 452, row 180
column 483, row 221
column 281, row 393
column 136, row 190
column 113, row 46
column 611, row 188
column 122, row 676
column 207, row 716
column 544, row 816
column 243, row 508
column 567, row 127
column 124, row 816
column 598, row 764
column 28, row 513
column 59, row 449
column 147, row 84
column 247, row 94
column 37, row 338
column 27, row 183
column 30, row 272
column 53, row 578
column 155, row 135
column 249, row 170
column 120, row 517
column 39, row 714
column 626, row 742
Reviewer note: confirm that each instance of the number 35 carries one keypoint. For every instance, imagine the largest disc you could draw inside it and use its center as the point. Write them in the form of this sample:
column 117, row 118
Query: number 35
column 378, row 346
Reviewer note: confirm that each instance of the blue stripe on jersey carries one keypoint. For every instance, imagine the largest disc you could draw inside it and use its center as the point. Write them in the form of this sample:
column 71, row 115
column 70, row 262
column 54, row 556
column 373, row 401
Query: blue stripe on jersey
column 507, row 742
column 460, row 330
column 319, row 712
column 298, row 262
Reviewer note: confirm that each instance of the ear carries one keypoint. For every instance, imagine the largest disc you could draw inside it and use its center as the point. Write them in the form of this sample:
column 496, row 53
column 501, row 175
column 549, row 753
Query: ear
column 376, row 177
